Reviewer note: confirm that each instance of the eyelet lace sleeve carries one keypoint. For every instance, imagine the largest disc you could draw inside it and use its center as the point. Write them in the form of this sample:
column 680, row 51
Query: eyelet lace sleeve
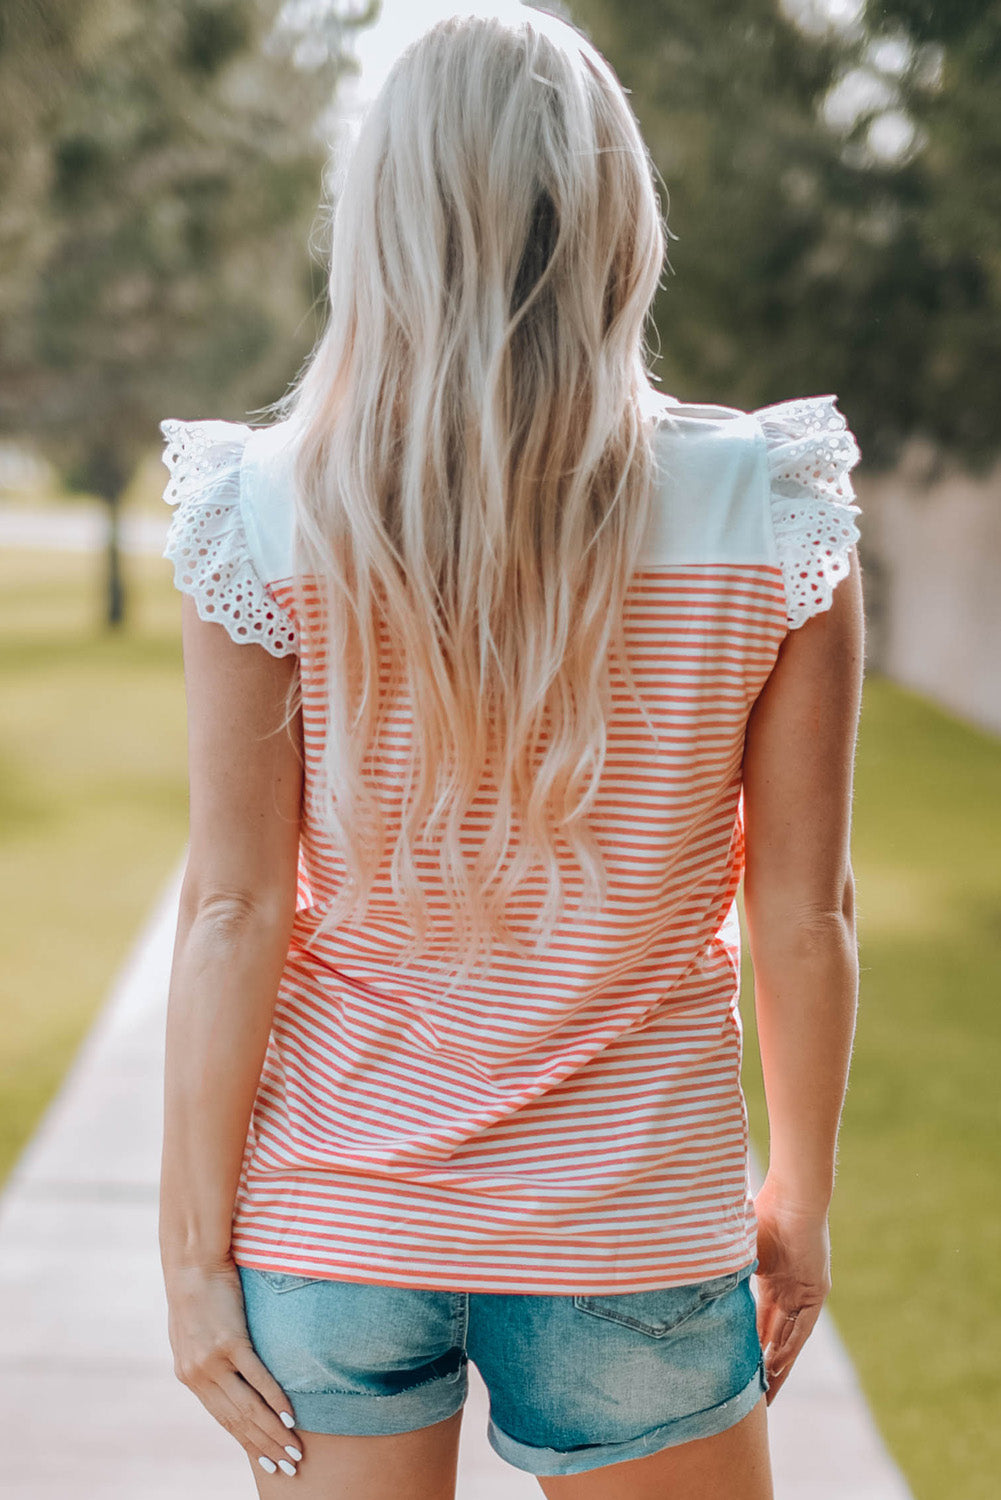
column 811, row 452
column 207, row 540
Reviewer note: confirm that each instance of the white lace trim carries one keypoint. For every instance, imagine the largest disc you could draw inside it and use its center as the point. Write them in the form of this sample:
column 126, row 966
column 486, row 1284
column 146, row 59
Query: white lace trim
column 206, row 539
column 811, row 452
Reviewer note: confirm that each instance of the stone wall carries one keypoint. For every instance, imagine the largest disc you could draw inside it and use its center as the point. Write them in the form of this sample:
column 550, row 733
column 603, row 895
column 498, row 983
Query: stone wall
column 930, row 551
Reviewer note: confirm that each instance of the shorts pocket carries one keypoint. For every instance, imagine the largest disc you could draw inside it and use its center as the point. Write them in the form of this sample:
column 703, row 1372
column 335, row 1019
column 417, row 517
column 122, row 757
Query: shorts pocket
column 286, row 1281
column 660, row 1311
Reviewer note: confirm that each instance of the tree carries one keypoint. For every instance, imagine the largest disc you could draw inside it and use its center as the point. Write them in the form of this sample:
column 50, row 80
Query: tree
column 945, row 60
column 160, row 167
column 808, row 259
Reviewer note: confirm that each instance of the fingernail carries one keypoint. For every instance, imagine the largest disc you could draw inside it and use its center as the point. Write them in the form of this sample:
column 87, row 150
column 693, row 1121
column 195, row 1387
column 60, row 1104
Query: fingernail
column 266, row 1463
column 287, row 1418
column 293, row 1453
column 285, row 1466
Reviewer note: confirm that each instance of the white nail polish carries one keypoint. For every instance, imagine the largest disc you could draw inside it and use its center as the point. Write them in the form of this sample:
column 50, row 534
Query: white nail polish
column 285, row 1466
column 287, row 1418
column 266, row 1463
column 293, row 1453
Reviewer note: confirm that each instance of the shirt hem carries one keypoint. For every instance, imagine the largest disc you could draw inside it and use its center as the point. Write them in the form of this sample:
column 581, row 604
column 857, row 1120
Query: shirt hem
column 431, row 1275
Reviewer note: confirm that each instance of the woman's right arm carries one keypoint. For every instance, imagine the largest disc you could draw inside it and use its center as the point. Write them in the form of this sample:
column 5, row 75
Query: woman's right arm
column 799, row 906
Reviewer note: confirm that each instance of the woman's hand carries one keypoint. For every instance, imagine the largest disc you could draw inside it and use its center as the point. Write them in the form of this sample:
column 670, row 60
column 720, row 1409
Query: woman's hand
column 794, row 1277
column 214, row 1357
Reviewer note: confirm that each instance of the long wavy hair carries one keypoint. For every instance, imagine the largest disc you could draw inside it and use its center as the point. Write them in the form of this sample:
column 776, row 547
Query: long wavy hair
column 473, row 463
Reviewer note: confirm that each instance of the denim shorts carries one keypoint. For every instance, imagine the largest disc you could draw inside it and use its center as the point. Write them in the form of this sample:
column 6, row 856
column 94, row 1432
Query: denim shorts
column 575, row 1381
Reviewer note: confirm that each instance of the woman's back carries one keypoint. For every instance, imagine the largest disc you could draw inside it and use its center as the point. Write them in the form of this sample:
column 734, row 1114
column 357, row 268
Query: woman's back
column 572, row 1120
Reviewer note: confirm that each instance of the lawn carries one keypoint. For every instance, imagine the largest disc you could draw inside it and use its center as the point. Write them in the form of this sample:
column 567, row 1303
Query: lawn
column 93, row 812
column 916, row 1219
column 93, row 803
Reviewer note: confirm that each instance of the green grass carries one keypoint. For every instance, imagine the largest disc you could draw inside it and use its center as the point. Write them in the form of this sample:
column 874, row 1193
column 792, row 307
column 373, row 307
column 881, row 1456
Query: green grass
column 93, row 816
column 916, row 1218
column 93, row 804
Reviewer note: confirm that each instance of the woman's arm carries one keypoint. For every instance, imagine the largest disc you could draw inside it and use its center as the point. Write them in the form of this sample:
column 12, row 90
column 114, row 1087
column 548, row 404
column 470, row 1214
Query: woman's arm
column 799, row 905
column 236, row 911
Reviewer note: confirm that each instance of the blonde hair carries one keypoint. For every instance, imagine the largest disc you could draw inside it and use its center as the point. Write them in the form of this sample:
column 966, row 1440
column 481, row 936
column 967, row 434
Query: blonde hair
column 474, row 462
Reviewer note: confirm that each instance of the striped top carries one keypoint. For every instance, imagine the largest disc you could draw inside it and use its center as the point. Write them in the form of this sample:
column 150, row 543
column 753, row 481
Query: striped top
column 573, row 1123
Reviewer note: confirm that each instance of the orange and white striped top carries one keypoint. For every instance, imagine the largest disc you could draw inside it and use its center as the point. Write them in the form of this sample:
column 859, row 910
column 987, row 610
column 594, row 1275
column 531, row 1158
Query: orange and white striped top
column 575, row 1123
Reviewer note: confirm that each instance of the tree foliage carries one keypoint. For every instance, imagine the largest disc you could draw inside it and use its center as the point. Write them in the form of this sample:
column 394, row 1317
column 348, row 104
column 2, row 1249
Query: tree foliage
column 808, row 260
column 160, row 169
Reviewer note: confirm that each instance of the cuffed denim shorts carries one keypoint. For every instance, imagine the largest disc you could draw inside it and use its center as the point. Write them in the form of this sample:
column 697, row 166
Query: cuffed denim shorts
column 575, row 1382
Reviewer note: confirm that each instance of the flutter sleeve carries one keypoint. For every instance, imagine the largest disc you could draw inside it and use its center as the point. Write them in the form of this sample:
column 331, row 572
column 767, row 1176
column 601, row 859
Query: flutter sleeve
column 207, row 539
column 811, row 452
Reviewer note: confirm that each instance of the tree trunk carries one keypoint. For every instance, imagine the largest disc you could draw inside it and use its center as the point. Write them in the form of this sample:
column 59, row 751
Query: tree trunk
column 115, row 582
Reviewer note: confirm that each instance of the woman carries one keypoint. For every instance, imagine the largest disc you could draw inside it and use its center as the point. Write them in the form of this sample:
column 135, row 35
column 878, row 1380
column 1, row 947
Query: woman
column 453, row 1047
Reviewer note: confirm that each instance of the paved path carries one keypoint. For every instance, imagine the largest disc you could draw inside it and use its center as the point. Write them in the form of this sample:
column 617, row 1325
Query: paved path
column 80, row 527
column 90, row 1406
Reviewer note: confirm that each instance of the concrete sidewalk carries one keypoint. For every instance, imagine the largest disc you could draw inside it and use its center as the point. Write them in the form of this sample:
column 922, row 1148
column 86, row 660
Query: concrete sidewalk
column 80, row 526
column 90, row 1404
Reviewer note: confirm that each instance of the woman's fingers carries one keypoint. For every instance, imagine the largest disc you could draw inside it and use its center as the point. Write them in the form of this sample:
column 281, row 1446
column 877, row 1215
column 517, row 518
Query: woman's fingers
column 793, row 1331
column 252, row 1439
column 776, row 1348
column 774, row 1327
column 256, row 1373
column 240, row 1409
column 782, row 1325
column 255, row 1410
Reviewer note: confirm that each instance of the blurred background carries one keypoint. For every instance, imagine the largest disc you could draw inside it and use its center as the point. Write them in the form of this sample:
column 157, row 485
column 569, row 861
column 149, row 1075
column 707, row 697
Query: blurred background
column 834, row 179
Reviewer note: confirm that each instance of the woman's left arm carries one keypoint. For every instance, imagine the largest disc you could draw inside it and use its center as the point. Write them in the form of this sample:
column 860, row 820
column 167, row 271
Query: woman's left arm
column 237, row 907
